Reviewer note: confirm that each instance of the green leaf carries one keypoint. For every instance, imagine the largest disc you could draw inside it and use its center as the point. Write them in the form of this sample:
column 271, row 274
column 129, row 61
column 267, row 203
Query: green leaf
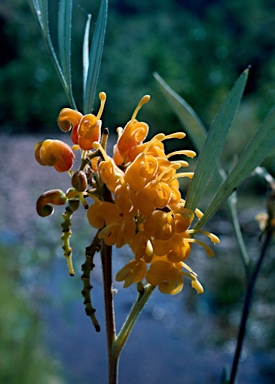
column 211, row 151
column 40, row 11
column 85, row 50
column 187, row 116
column 253, row 155
column 95, row 57
column 197, row 132
column 64, row 38
column 191, row 122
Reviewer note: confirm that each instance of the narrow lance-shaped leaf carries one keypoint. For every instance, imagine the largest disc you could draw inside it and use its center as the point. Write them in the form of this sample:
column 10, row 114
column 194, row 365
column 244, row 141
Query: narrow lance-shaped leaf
column 190, row 121
column 36, row 10
column 187, row 116
column 64, row 38
column 252, row 156
column 40, row 11
column 86, row 51
column 197, row 132
column 208, row 158
column 95, row 57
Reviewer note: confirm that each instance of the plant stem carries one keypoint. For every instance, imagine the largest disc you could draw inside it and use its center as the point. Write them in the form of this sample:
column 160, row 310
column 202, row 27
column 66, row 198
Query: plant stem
column 106, row 260
column 246, row 308
column 131, row 319
column 232, row 210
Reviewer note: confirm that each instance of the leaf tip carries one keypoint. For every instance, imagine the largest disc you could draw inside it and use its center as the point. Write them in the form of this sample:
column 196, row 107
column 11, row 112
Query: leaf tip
column 247, row 69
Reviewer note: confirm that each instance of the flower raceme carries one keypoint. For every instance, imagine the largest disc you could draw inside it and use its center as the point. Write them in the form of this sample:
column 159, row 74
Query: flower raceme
column 135, row 194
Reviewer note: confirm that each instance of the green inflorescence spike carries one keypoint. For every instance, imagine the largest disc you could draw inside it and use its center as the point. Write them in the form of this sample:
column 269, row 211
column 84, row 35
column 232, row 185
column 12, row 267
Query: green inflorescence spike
column 66, row 233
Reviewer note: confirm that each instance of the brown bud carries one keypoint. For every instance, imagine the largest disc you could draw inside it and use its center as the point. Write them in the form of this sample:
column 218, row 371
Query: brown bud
column 79, row 181
column 44, row 203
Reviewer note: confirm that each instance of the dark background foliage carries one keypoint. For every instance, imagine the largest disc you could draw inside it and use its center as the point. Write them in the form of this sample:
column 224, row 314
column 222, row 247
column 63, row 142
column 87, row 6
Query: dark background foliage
column 199, row 47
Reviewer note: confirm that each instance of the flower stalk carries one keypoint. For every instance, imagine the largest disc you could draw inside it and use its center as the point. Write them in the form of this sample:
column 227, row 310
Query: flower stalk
column 269, row 230
column 106, row 260
column 131, row 319
column 246, row 309
column 115, row 343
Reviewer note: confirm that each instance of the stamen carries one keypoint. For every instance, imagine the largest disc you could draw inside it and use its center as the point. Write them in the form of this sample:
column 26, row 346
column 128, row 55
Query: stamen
column 102, row 97
column 182, row 163
column 158, row 137
column 188, row 269
column 187, row 153
column 208, row 250
column 97, row 145
column 197, row 285
column 182, row 212
column 183, row 174
column 119, row 131
column 182, row 203
column 149, row 248
column 75, row 147
column 104, row 138
column 143, row 101
column 211, row 236
column 175, row 135
column 176, row 164
column 162, row 137
column 198, row 213
column 83, row 154
column 166, row 170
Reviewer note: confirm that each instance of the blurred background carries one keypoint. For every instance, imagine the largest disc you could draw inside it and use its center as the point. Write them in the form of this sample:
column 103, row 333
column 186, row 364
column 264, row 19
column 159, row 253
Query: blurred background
column 199, row 47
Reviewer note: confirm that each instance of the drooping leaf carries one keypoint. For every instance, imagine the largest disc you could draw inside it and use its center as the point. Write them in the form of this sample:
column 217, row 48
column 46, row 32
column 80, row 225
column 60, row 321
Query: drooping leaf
column 253, row 155
column 64, row 37
column 85, row 49
column 95, row 57
column 197, row 133
column 211, row 151
column 40, row 11
column 187, row 116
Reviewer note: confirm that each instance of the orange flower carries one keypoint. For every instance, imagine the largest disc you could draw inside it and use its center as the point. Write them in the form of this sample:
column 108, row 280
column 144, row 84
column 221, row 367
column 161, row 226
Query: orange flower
column 89, row 129
column 102, row 213
column 108, row 170
column 85, row 129
column 69, row 119
column 140, row 171
column 166, row 276
column 55, row 153
column 144, row 207
column 119, row 232
column 133, row 134
column 132, row 272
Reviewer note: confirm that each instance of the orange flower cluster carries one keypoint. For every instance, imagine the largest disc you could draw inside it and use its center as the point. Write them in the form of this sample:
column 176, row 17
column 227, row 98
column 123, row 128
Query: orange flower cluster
column 145, row 209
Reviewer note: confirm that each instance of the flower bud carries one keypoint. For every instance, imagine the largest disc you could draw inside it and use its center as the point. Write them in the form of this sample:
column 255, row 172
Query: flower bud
column 37, row 149
column 44, row 203
column 69, row 119
column 79, row 181
column 74, row 204
column 55, row 153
